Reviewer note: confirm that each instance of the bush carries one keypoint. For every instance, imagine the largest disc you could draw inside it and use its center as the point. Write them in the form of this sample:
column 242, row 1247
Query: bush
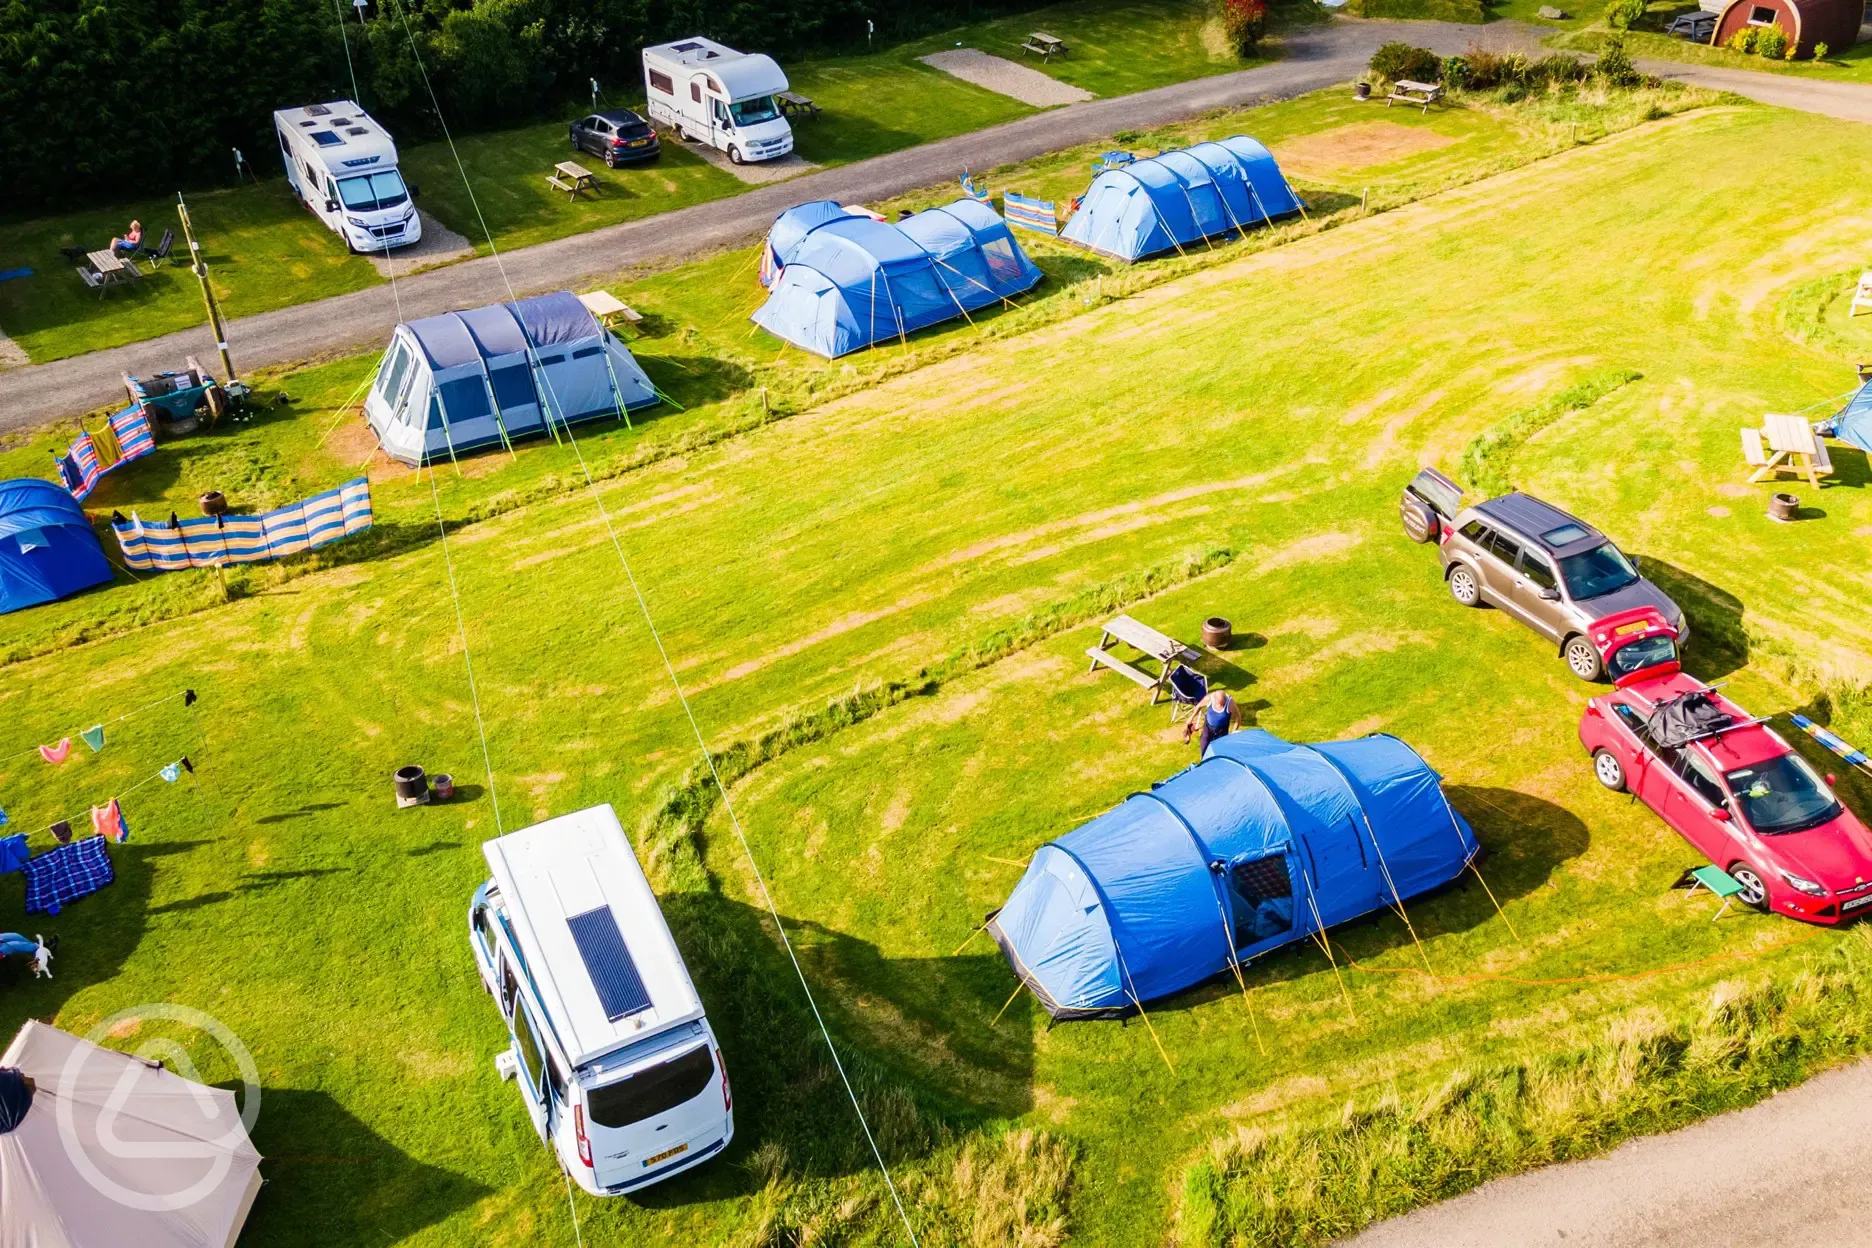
column 1625, row 14
column 1455, row 72
column 1615, row 65
column 1398, row 59
column 1820, row 51
column 1244, row 22
column 1742, row 41
column 1771, row 42
column 1554, row 69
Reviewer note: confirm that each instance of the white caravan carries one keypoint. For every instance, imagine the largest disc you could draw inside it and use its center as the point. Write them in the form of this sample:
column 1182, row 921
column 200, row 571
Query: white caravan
column 716, row 95
column 614, row 1057
column 343, row 166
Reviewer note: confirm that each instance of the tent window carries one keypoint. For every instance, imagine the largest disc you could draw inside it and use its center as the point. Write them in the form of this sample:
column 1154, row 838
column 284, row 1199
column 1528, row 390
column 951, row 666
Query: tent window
column 1001, row 262
column 544, row 360
column 390, row 381
column 1263, row 897
column 585, row 353
column 464, row 399
column 513, row 386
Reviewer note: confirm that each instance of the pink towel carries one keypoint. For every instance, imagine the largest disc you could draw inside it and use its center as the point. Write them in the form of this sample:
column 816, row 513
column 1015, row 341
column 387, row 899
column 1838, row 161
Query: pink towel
column 56, row 753
column 108, row 822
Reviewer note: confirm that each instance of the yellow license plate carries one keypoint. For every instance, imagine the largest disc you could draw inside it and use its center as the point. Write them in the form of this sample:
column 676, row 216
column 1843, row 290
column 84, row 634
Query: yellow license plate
column 665, row 1155
column 1626, row 630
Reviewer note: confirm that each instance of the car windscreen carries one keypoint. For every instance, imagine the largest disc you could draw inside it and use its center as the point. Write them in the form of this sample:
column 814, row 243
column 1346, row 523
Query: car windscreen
column 373, row 191
column 1782, row 795
column 652, row 1091
column 1598, row 571
column 753, row 112
column 1648, row 652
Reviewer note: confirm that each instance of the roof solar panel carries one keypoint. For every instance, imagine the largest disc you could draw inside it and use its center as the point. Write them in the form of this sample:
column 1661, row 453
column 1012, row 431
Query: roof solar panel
column 620, row 988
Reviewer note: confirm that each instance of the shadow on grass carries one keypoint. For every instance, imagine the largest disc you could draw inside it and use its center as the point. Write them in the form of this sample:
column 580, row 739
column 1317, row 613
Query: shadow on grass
column 333, row 1180
column 914, row 1035
column 1718, row 643
column 258, row 882
column 693, row 380
column 1850, row 466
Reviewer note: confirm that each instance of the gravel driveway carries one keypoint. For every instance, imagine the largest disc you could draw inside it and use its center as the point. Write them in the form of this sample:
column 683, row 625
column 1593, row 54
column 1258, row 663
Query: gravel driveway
column 1009, row 78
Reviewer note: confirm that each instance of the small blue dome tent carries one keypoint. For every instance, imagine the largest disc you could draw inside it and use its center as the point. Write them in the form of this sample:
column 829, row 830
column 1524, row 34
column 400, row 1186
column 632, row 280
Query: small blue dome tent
column 48, row 549
column 852, row 281
column 1260, row 844
column 465, row 380
column 1180, row 198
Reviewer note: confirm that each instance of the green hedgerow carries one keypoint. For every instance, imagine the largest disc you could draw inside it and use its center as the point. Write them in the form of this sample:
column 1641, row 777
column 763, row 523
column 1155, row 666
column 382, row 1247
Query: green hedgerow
column 1398, row 60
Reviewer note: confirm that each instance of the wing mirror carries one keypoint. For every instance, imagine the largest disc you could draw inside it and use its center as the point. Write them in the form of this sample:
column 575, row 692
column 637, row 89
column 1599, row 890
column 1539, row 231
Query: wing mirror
column 1721, row 815
column 415, row 189
column 1549, row 594
column 1830, row 780
column 331, row 205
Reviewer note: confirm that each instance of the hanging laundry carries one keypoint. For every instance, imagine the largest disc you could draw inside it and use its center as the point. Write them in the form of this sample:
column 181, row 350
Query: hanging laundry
column 172, row 773
column 66, row 874
column 108, row 821
column 13, row 853
column 188, row 697
column 105, row 445
column 56, row 753
column 61, row 832
column 93, row 737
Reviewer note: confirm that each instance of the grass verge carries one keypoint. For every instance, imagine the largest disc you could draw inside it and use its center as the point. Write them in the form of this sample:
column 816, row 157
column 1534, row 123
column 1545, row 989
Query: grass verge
column 1485, row 461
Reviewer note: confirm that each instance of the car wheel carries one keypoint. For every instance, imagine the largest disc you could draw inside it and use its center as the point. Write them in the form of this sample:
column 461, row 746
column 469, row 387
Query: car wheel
column 1583, row 657
column 1754, row 892
column 1464, row 587
column 734, row 155
column 1607, row 769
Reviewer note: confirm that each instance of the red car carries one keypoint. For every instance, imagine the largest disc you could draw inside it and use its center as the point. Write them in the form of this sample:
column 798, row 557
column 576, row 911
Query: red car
column 1725, row 780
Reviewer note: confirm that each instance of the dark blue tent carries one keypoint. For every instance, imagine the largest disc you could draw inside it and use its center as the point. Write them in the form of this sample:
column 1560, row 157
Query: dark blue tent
column 1260, row 844
column 1854, row 423
column 1180, row 198
column 851, row 281
column 47, row 548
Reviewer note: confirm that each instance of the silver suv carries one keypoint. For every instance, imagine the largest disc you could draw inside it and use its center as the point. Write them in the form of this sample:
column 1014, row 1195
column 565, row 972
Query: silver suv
column 1553, row 572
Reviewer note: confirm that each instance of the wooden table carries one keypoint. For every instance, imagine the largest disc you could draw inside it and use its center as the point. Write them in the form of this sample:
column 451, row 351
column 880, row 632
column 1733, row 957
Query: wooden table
column 572, row 177
column 793, row 104
column 107, row 269
column 609, row 309
column 1047, row 46
column 1147, row 641
column 1422, row 94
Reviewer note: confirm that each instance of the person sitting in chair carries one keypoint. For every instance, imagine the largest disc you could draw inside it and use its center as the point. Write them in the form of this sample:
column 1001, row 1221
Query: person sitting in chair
column 131, row 240
column 1215, row 716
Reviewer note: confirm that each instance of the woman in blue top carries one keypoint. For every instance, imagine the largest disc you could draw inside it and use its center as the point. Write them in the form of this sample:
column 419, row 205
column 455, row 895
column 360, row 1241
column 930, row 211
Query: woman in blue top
column 1214, row 716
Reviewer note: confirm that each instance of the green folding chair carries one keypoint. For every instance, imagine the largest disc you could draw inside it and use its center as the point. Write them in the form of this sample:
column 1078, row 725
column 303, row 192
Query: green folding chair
column 1719, row 882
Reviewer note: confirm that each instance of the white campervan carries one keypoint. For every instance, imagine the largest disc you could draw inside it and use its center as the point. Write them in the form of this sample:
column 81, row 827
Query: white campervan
column 716, row 95
column 615, row 1060
column 343, row 166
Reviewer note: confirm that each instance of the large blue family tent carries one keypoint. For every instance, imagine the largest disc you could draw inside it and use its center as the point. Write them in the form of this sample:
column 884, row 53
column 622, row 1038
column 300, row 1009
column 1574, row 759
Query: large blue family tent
column 1854, row 422
column 851, row 281
column 464, row 380
column 1180, row 198
column 48, row 550
column 1260, row 844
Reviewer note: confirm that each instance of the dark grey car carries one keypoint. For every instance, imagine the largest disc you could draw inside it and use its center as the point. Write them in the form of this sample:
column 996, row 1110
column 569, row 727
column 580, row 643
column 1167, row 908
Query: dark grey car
column 1552, row 571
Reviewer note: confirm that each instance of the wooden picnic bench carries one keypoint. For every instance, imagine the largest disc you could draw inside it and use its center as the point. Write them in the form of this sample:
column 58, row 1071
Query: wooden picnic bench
column 1422, row 94
column 1044, row 45
column 794, row 105
column 107, row 269
column 1147, row 641
column 609, row 309
column 1791, row 446
column 572, row 177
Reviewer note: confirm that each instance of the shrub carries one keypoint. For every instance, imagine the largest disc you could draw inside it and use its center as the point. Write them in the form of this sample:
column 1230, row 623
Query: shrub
column 1455, row 72
column 1771, row 42
column 1398, row 59
column 1244, row 22
column 1484, row 67
column 1557, row 67
column 1625, row 14
column 1820, row 51
column 1615, row 65
column 1742, row 41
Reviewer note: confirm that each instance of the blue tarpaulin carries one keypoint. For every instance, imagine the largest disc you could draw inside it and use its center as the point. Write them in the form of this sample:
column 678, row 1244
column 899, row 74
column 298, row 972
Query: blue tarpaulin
column 1260, row 844
column 1180, row 198
column 849, row 282
column 47, row 548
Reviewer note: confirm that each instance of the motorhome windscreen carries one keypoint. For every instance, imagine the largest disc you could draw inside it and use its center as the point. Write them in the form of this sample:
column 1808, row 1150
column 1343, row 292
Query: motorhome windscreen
column 373, row 191
column 753, row 112
column 650, row 1092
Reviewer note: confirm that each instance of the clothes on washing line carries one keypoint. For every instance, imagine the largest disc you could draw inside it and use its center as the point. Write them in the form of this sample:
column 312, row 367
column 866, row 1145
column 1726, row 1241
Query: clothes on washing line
column 56, row 753
column 94, row 737
column 13, row 853
column 66, row 874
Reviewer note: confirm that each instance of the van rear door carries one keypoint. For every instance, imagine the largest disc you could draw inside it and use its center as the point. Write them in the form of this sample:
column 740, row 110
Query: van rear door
column 665, row 1111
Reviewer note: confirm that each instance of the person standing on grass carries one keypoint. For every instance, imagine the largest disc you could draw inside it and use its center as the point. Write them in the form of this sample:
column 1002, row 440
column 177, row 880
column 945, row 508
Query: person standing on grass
column 132, row 239
column 1216, row 715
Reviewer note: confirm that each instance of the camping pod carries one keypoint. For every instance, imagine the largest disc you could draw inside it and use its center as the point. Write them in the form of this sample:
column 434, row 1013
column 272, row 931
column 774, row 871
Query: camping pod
column 465, row 380
column 851, row 281
column 1179, row 199
column 48, row 550
column 1260, row 844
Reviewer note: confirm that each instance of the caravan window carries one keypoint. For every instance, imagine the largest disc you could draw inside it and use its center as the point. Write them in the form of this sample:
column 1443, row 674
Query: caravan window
column 1263, row 898
column 660, row 81
column 695, row 90
column 373, row 191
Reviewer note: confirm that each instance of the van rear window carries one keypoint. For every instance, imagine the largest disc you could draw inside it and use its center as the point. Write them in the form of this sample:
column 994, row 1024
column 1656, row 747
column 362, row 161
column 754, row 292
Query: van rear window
column 651, row 1092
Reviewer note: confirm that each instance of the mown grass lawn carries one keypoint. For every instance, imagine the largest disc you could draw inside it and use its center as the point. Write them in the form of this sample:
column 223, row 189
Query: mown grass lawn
column 1269, row 405
column 1848, row 64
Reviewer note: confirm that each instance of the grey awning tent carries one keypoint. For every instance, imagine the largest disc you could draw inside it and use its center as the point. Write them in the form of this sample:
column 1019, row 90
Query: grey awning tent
column 484, row 377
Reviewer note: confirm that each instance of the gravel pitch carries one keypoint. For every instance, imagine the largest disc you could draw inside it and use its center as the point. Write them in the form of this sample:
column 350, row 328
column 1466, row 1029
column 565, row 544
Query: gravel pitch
column 1009, row 78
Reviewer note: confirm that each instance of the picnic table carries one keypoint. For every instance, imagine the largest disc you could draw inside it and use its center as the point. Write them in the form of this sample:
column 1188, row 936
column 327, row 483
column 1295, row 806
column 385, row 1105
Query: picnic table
column 1717, row 881
column 609, row 309
column 1147, row 641
column 1044, row 45
column 107, row 269
column 1422, row 94
column 793, row 104
column 571, row 177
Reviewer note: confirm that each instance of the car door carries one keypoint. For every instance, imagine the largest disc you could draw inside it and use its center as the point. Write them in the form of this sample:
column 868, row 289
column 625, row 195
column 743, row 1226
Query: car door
column 581, row 134
column 532, row 1078
column 1537, row 594
column 1647, row 766
column 1498, row 570
column 1696, row 795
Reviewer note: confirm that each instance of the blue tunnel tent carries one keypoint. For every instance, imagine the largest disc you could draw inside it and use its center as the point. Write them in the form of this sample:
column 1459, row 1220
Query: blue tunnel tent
column 48, row 550
column 1180, row 198
column 465, row 380
column 1260, row 844
column 852, row 281
column 791, row 227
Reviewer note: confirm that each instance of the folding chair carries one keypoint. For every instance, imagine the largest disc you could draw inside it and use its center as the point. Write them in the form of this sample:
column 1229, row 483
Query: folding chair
column 1188, row 687
column 158, row 254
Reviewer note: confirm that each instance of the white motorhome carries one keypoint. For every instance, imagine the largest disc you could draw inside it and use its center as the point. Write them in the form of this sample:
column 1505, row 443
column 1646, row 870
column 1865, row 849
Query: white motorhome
column 715, row 95
column 609, row 1045
column 343, row 166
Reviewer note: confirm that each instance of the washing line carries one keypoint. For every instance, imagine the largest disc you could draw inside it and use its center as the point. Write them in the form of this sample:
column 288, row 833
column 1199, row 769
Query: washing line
column 189, row 694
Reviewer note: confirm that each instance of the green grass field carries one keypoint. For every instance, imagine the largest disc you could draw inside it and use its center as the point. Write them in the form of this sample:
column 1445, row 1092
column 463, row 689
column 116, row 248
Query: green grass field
column 924, row 544
column 1848, row 64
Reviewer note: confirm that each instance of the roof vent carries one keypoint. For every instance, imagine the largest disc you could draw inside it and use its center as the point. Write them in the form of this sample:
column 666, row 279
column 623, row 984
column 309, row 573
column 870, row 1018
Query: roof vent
column 357, row 130
column 317, row 110
column 341, row 121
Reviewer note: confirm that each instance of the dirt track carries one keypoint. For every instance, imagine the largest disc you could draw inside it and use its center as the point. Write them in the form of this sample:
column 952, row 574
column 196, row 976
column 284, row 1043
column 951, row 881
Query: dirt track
column 1789, row 1170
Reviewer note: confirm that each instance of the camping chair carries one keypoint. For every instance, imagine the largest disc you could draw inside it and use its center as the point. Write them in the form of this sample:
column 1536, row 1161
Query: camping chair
column 1786, row 444
column 158, row 254
column 1188, row 687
